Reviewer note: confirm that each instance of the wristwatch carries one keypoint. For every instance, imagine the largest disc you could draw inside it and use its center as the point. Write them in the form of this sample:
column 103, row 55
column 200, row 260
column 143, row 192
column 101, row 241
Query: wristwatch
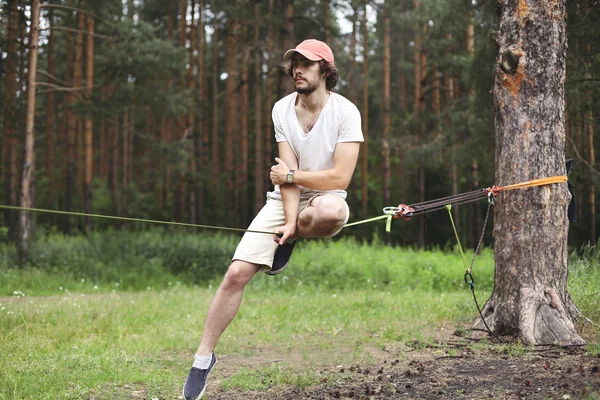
column 290, row 176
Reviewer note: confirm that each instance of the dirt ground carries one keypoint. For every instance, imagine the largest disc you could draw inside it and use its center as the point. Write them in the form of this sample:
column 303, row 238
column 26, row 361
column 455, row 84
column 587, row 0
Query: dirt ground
column 450, row 369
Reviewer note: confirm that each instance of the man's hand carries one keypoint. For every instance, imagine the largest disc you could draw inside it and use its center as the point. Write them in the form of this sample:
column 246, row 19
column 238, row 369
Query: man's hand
column 279, row 172
column 284, row 233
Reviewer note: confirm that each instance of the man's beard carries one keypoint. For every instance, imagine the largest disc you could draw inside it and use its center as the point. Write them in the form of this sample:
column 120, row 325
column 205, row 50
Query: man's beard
column 306, row 90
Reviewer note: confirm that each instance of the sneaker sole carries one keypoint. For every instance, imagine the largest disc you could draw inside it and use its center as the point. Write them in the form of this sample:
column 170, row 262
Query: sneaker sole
column 199, row 396
column 275, row 272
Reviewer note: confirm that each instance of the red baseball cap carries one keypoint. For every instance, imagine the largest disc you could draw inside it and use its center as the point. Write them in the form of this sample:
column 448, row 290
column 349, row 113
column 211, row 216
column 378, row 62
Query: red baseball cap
column 312, row 49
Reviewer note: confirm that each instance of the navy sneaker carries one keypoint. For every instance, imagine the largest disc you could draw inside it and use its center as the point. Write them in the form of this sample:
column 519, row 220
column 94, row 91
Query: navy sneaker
column 282, row 258
column 196, row 382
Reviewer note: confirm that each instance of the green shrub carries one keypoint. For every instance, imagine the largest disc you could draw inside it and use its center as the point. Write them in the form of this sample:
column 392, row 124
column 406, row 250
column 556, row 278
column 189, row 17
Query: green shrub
column 133, row 259
column 138, row 259
column 348, row 264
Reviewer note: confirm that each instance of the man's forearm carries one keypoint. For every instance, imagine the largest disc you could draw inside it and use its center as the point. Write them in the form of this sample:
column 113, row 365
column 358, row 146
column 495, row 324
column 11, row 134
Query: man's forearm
column 290, row 194
column 328, row 179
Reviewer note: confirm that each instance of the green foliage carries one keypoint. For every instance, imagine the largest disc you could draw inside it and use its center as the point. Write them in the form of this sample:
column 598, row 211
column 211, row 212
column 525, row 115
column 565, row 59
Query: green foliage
column 350, row 264
column 129, row 260
column 108, row 342
column 584, row 281
column 139, row 259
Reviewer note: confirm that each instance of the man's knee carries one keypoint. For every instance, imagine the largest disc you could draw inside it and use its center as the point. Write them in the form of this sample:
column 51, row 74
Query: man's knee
column 238, row 275
column 330, row 215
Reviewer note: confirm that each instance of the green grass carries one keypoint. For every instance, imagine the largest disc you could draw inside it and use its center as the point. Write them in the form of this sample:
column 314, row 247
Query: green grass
column 72, row 345
column 110, row 317
column 137, row 260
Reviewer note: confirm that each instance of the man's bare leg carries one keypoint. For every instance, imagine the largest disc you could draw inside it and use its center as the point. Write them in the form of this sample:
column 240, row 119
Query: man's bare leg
column 225, row 304
column 323, row 218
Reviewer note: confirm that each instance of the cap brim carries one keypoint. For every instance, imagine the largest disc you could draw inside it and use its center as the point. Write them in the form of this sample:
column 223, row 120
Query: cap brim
column 310, row 56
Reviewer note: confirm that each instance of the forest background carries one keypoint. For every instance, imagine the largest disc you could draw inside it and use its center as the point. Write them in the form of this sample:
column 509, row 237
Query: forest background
column 162, row 109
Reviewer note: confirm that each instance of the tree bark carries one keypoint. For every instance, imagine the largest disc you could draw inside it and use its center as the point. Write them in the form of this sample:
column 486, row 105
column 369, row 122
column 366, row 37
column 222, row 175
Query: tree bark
column 28, row 173
column 270, row 78
column 242, row 172
column 191, row 146
column 50, row 116
column 588, row 123
column 387, row 117
column 365, row 114
column 67, row 119
column 231, row 121
column 353, row 193
column 327, row 20
column 125, row 163
column 214, row 151
column 420, row 73
column 202, row 139
column 287, row 41
column 9, row 129
column 72, row 126
column 259, row 156
column 449, row 98
column 475, row 226
column 89, row 83
column 114, row 167
column 530, row 299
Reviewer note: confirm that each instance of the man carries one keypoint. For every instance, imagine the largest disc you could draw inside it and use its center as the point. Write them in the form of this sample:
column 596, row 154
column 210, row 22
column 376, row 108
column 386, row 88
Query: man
column 318, row 134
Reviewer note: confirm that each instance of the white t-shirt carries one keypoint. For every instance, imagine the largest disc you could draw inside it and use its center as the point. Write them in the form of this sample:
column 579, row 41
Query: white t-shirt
column 338, row 122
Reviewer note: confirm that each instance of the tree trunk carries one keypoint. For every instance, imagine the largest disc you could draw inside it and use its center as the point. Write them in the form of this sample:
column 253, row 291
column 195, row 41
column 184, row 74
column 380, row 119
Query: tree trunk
column 63, row 131
column 402, row 111
column 72, row 126
column 270, row 78
column 353, row 96
column 114, row 168
column 28, row 173
column 327, row 20
column 475, row 226
column 591, row 159
column 419, row 112
column 50, row 116
column 214, row 151
column 125, row 163
column 365, row 114
column 202, row 138
column 387, row 117
column 591, row 155
column 242, row 172
column 149, row 171
column 259, row 171
column 231, row 121
column 530, row 299
column 449, row 98
column 89, row 83
column 287, row 41
column 9, row 129
column 191, row 148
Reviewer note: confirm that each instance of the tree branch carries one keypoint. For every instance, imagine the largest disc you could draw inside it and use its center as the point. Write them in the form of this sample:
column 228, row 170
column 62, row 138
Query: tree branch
column 62, row 28
column 595, row 172
column 50, row 76
column 56, row 88
column 75, row 9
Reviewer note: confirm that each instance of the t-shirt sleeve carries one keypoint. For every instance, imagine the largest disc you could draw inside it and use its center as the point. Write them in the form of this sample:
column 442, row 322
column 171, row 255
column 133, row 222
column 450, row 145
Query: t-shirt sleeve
column 351, row 126
column 277, row 126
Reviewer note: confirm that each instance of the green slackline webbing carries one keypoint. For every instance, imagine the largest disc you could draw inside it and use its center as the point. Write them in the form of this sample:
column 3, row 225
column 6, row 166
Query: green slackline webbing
column 388, row 215
column 462, row 254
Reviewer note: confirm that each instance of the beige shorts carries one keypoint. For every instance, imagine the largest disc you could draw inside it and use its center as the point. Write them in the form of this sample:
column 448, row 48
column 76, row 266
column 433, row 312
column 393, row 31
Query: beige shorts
column 259, row 248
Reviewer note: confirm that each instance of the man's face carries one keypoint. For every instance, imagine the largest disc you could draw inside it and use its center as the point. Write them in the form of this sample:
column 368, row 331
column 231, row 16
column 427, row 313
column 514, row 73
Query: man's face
column 305, row 74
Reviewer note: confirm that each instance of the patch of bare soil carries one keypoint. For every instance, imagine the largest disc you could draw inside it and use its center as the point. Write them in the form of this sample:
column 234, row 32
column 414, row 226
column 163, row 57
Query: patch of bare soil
column 450, row 371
